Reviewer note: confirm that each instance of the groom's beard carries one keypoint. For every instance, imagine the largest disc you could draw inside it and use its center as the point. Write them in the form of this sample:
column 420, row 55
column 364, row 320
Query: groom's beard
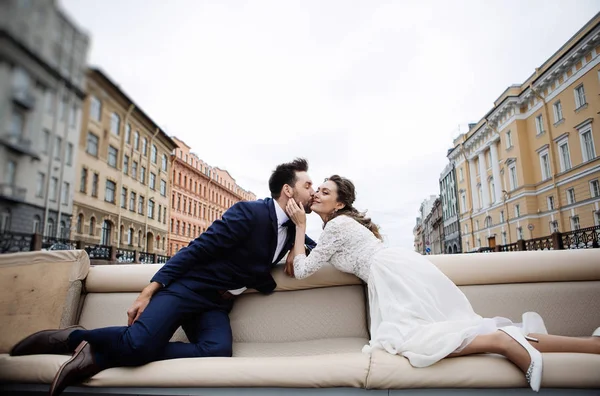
column 306, row 206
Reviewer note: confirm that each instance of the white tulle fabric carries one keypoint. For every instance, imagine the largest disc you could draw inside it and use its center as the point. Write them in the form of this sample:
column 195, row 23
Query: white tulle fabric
column 416, row 311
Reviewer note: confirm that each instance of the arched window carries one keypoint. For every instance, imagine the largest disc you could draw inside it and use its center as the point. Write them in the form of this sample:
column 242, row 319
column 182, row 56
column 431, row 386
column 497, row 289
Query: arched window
column 79, row 225
column 92, row 226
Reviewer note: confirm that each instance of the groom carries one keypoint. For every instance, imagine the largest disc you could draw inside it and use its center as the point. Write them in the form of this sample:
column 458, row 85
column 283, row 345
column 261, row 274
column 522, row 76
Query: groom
column 195, row 289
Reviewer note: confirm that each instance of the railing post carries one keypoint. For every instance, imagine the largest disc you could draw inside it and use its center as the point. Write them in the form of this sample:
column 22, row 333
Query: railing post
column 36, row 242
column 498, row 248
column 79, row 245
column 113, row 255
column 153, row 258
column 521, row 245
column 136, row 258
column 557, row 243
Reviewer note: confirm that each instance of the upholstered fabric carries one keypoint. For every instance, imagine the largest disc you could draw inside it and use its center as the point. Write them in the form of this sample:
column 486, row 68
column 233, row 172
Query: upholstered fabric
column 33, row 291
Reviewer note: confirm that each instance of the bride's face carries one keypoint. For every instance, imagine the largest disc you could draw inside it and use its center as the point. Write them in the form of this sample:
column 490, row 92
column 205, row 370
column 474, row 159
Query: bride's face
column 325, row 199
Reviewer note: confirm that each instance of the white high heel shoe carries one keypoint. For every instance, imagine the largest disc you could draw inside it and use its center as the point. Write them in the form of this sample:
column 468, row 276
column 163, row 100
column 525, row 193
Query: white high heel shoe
column 596, row 332
column 534, row 372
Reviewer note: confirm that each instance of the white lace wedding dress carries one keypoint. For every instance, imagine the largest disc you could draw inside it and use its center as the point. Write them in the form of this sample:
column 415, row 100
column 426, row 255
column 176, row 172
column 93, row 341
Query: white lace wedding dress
column 416, row 311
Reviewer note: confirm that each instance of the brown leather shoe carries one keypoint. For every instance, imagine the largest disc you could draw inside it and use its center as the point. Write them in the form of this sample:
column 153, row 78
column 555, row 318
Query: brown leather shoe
column 50, row 342
column 80, row 367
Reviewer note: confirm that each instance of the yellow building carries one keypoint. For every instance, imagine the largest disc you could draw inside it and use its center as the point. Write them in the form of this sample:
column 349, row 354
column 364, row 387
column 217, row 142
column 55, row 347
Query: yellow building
column 122, row 195
column 530, row 166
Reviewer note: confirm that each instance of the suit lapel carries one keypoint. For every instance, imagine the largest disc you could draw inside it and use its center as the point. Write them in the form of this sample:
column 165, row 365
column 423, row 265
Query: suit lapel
column 273, row 240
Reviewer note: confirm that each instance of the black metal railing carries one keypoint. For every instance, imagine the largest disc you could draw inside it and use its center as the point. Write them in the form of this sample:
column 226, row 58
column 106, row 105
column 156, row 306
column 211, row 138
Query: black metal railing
column 543, row 243
column 125, row 256
column 53, row 243
column 98, row 252
column 511, row 247
column 146, row 258
column 160, row 259
column 15, row 242
column 585, row 238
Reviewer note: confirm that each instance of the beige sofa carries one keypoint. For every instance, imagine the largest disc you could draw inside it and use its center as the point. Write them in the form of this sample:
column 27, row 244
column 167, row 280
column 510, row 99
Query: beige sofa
column 308, row 333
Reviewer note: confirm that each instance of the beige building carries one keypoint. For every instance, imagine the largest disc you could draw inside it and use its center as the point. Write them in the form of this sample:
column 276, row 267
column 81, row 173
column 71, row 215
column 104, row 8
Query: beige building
column 530, row 166
column 200, row 195
column 122, row 192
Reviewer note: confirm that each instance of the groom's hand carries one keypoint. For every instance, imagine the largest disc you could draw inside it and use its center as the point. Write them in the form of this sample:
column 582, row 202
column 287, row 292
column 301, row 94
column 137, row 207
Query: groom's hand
column 140, row 303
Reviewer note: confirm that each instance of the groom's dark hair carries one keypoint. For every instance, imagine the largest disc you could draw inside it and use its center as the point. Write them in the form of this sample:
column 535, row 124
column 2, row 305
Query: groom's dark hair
column 286, row 174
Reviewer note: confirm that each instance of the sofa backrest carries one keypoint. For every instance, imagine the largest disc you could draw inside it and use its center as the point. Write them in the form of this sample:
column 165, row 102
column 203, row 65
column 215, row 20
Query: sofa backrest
column 39, row 290
column 329, row 304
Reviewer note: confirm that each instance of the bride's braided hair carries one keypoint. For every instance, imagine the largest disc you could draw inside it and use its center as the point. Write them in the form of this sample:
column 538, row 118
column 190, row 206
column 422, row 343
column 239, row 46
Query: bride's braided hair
column 347, row 194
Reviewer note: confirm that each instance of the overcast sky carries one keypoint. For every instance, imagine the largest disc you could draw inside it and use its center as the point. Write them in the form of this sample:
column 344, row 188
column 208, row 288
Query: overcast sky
column 372, row 90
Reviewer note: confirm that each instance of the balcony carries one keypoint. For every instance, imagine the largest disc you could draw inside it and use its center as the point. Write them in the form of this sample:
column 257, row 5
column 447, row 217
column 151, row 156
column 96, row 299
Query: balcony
column 24, row 99
column 12, row 193
column 19, row 145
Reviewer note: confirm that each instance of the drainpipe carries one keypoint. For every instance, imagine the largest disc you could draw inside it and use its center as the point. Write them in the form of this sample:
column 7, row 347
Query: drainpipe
column 551, row 152
column 59, row 95
column 120, row 185
column 63, row 160
column 148, row 186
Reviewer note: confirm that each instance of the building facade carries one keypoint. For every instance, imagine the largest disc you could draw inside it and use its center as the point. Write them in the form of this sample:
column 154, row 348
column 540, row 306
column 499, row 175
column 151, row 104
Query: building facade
column 448, row 194
column 200, row 194
column 530, row 166
column 419, row 244
column 42, row 63
column 122, row 192
column 433, row 229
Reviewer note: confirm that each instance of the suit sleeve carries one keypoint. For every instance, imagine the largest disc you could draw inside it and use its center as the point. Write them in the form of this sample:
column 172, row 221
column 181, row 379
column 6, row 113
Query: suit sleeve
column 223, row 235
column 309, row 244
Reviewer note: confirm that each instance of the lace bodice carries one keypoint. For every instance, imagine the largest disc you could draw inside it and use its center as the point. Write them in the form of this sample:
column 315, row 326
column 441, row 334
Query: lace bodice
column 346, row 244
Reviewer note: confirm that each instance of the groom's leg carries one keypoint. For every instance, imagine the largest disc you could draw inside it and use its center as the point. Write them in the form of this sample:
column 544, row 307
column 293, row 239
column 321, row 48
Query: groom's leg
column 144, row 340
column 209, row 334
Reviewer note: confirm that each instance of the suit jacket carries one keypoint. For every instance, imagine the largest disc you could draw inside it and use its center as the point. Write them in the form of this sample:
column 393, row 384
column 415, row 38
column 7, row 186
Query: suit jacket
column 235, row 251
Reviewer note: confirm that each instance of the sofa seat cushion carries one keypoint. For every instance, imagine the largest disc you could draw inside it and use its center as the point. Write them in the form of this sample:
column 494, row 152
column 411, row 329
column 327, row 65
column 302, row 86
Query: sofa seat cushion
column 299, row 348
column 328, row 370
column 560, row 370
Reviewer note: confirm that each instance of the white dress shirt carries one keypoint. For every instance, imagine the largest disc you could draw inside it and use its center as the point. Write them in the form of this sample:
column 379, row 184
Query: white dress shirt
column 282, row 217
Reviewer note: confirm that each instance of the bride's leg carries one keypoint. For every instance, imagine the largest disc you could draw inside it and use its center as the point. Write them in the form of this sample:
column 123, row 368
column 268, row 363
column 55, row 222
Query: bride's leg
column 499, row 342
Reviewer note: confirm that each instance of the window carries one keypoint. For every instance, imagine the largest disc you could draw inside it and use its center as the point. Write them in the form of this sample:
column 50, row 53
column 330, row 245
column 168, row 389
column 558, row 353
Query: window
column 558, row 115
column 150, row 209
column 152, row 182
column 79, row 224
column 57, row 147
column 115, row 123
column 95, row 185
column 11, row 172
column 587, row 145
column 579, row 97
column 571, row 196
column 492, row 191
column 565, row 155
column 95, row 108
column 519, row 233
column 134, row 169
column 163, row 188
column 141, row 205
column 73, row 116
column 476, row 225
column 132, row 201
column 49, row 99
column 143, row 175
column 550, row 201
column 539, row 124
column 553, row 226
column 136, row 140
column 50, row 227
column 92, row 144
column 92, row 226
column 461, row 175
column 105, row 238
column 83, row 180
column 575, row 223
column 164, row 162
column 153, row 154
column 109, row 195
column 159, row 212
column 123, row 197
column 509, row 142
column 39, row 185
column 595, row 188
column 488, row 158
column 65, row 193
column 130, row 237
column 504, row 240
column 69, row 154
column 45, row 141
column 126, row 164
column 112, row 156
column 144, row 147
column 517, row 210
column 128, row 134
column 512, row 171
column 502, row 216
column 597, row 218
column 165, row 215
column 53, row 193
column 479, row 193
column 545, row 164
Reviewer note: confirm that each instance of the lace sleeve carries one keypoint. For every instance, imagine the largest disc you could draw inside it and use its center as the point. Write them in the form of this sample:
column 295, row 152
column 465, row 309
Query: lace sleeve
column 329, row 243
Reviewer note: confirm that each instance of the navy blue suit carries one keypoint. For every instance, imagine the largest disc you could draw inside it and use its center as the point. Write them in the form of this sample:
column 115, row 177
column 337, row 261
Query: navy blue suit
column 235, row 251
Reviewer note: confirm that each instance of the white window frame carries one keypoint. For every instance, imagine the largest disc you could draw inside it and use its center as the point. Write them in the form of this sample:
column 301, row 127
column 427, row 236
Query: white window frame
column 512, row 176
column 504, row 239
column 557, row 108
column 550, row 202
column 95, row 108
column 492, row 191
column 597, row 217
column 509, row 142
column 115, row 124
column 553, row 226
column 575, row 223
column 585, row 155
column 564, row 166
column 579, row 96
column 461, row 175
column 502, row 218
column 517, row 210
column 594, row 188
column 539, row 124
column 546, row 172
column 519, row 233
column 571, row 199
column 463, row 201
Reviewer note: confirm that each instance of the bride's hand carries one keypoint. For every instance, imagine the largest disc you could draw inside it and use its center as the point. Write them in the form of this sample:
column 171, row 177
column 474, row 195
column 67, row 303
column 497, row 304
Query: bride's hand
column 296, row 213
column 289, row 263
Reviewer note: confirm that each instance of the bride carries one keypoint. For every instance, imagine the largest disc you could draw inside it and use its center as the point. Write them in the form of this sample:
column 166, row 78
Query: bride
column 416, row 311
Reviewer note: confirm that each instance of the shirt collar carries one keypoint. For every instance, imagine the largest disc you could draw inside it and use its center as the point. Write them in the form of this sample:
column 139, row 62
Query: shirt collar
column 282, row 217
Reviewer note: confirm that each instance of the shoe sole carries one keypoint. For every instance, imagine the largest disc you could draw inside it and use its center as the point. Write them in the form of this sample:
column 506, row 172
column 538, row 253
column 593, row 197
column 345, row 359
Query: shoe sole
column 60, row 370
column 76, row 327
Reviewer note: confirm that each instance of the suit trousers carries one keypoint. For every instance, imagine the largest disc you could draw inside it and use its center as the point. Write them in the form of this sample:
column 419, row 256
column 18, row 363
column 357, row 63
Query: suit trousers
column 203, row 316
